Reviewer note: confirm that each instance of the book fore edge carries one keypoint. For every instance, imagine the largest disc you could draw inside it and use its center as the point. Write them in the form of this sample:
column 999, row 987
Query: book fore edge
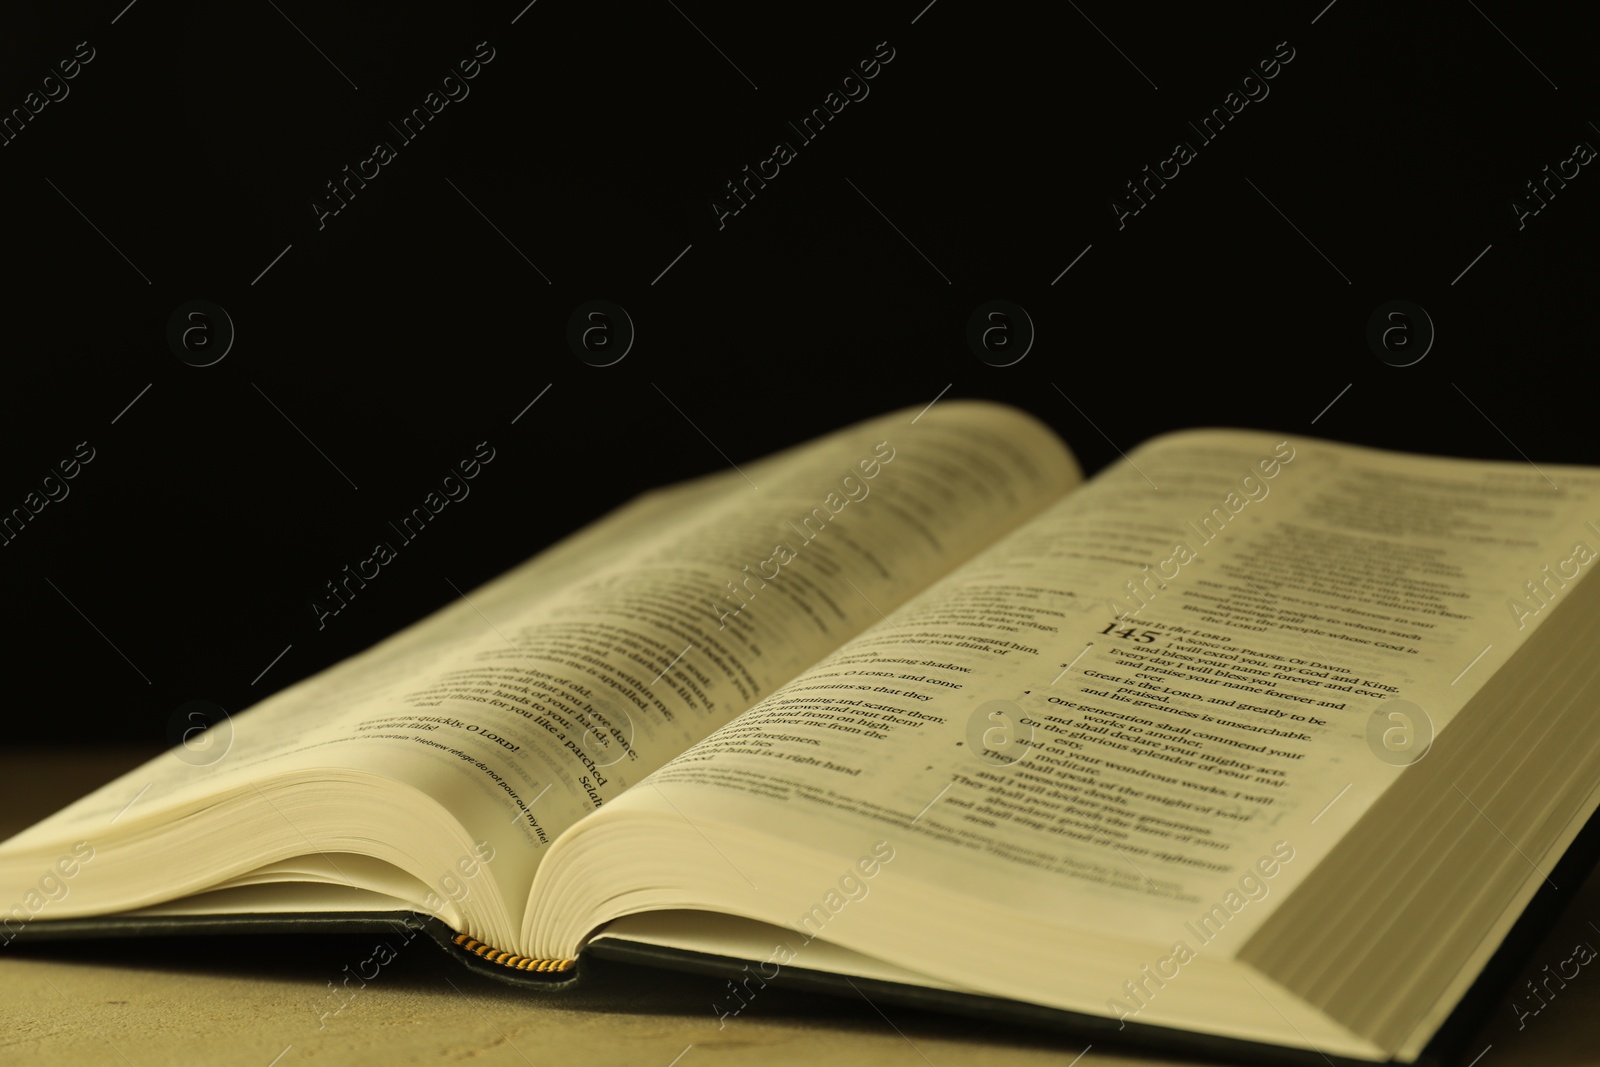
column 510, row 959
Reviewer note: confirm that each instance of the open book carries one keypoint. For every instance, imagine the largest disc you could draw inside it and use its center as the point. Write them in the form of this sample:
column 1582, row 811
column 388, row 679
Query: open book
column 1253, row 739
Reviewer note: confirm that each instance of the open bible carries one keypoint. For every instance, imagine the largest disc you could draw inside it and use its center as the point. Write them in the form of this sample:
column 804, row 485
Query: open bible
column 1250, row 741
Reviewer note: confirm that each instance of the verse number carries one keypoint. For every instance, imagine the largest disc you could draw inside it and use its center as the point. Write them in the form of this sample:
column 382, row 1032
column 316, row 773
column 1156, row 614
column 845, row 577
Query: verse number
column 1143, row 637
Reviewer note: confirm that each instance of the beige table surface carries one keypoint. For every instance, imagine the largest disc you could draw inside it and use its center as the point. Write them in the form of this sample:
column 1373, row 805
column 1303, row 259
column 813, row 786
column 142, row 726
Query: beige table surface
column 258, row 1001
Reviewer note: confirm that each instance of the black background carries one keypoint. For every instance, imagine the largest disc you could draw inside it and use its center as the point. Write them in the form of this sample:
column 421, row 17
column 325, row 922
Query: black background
column 379, row 349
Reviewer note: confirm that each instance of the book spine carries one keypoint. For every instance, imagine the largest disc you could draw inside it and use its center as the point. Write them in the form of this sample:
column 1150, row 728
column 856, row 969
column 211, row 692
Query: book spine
column 510, row 959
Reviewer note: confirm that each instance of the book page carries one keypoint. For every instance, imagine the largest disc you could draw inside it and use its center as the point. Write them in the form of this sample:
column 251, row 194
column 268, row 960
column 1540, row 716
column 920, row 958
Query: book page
column 1163, row 700
column 537, row 699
